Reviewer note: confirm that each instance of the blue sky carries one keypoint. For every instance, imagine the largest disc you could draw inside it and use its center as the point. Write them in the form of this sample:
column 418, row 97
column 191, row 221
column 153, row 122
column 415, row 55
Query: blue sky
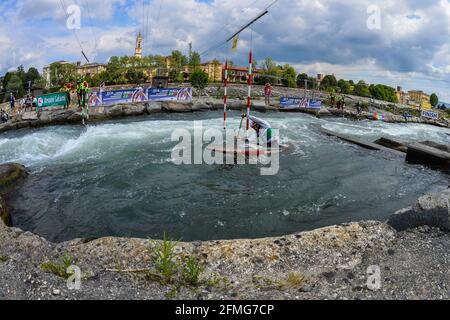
column 411, row 48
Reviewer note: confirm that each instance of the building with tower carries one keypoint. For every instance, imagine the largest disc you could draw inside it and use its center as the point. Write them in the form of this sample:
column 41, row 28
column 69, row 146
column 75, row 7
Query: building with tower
column 138, row 49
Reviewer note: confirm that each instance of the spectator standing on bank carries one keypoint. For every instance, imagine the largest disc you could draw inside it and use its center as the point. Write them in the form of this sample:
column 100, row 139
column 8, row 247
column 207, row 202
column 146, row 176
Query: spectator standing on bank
column 268, row 91
column 33, row 103
column 12, row 102
column 68, row 88
column 79, row 93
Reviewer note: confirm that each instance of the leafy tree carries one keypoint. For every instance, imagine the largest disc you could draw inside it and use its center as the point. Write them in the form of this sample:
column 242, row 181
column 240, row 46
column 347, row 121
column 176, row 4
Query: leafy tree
column 329, row 82
column 6, row 78
column 40, row 83
column 344, row 86
column 159, row 62
column 195, row 60
column 15, row 85
column 434, row 100
column 269, row 66
column 32, row 75
column 289, row 76
column 21, row 73
column 178, row 61
column 362, row 89
column 254, row 64
column 31, row 78
column 301, row 80
column 60, row 74
column 268, row 72
column 199, row 80
column 382, row 92
column 135, row 76
column 97, row 79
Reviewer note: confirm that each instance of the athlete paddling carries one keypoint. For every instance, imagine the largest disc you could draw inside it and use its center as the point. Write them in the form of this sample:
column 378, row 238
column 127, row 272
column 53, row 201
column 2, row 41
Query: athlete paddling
column 263, row 130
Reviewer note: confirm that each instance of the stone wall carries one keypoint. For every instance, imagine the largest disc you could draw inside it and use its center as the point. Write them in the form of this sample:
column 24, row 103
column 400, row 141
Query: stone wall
column 328, row 263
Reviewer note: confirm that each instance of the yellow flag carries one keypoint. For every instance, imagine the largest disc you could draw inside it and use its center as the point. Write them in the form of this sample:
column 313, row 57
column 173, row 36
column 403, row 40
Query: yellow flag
column 235, row 43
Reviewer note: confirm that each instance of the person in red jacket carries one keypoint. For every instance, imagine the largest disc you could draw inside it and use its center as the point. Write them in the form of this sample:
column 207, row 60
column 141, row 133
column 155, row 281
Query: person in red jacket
column 268, row 93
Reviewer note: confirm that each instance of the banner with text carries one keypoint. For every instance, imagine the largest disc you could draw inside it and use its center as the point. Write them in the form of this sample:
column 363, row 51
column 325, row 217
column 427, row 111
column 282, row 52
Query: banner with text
column 108, row 98
column 430, row 115
column 299, row 103
column 58, row 99
column 170, row 94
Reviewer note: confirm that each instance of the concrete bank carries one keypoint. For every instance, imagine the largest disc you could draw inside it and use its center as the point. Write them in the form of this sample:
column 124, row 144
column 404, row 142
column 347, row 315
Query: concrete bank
column 328, row 263
column 98, row 114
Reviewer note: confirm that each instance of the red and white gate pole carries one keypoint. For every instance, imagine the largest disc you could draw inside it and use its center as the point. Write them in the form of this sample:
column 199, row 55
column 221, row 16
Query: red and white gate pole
column 250, row 81
column 225, row 95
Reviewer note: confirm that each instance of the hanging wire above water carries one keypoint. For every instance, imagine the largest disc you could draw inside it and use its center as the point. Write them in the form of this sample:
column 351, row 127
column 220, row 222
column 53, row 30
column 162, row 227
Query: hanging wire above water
column 265, row 11
column 64, row 9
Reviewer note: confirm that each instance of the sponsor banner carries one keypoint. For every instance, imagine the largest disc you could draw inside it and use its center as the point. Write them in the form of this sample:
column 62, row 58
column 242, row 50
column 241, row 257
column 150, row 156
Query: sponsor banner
column 108, row 98
column 430, row 115
column 58, row 99
column 170, row 94
column 295, row 103
column 315, row 104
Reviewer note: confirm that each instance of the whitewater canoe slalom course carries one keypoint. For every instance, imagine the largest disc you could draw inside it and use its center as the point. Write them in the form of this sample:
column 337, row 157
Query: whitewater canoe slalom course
column 118, row 179
column 168, row 177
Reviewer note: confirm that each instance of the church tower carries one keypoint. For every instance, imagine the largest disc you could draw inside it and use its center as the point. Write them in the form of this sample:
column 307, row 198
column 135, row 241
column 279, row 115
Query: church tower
column 138, row 50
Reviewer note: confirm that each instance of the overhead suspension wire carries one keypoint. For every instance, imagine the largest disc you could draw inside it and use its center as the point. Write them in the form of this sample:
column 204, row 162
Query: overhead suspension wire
column 258, row 17
column 156, row 23
column 86, row 2
column 147, row 25
column 64, row 9
column 224, row 28
column 143, row 19
column 250, row 71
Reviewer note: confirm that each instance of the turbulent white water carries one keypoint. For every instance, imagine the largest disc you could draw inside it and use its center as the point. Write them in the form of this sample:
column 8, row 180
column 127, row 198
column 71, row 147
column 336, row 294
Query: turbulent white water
column 409, row 132
column 118, row 179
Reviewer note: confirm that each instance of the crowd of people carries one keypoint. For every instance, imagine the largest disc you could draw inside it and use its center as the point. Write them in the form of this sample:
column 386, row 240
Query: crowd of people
column 27, row 103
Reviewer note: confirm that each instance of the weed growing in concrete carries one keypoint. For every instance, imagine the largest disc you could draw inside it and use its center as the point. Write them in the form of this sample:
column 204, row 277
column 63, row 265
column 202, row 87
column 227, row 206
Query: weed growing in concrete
column 59, row 268
column 191, row 272
column 164, row 259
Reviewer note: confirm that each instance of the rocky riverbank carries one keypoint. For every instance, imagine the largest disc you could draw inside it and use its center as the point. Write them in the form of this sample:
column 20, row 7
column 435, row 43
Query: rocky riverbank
column 72, row 116
column 410, row 251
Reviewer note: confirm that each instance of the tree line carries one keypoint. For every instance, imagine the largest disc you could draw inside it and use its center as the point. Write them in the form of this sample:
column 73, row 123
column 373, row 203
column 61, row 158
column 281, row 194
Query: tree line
column 132, row 70
column 19, row 82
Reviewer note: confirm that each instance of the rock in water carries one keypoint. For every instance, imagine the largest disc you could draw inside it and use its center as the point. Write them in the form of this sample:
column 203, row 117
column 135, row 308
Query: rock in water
column 176, row 107
column 10, row 174
column 4, row 214
column 430, row 210
column 427, row 155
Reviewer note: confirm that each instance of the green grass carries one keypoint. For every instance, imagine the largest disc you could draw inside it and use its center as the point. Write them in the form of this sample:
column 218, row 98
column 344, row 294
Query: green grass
column 59, row 268
column 192, row 272
column 171, row 268
column 3, row 258
column 164, row 259
column 294, row 280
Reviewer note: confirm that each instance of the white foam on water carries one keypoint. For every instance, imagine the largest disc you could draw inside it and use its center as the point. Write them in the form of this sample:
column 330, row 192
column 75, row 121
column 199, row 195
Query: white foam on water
column 412, row 132
column 100, row 142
